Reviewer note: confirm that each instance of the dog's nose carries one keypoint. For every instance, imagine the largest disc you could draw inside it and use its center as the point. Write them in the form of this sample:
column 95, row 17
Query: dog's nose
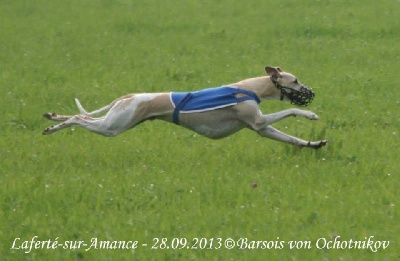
column 307, row 96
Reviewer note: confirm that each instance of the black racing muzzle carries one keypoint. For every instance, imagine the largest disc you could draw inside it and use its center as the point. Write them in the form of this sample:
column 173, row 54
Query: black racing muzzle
column 303, row 97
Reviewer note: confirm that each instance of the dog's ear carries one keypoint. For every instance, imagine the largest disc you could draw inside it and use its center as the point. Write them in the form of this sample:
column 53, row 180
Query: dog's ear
column 274, row 72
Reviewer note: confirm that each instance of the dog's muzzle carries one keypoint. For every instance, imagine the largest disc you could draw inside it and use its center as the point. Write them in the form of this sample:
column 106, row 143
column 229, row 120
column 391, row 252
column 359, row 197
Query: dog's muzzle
column 303, row 97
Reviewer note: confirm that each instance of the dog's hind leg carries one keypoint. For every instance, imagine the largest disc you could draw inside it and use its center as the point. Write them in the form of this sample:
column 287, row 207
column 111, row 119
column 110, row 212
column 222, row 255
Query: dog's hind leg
column 112, row 124
column 56, row 117
column 125, row 114
column 92, row 124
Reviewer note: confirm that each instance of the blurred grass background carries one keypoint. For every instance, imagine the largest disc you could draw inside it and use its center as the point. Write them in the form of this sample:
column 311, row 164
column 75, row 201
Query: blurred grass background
column 158, row 180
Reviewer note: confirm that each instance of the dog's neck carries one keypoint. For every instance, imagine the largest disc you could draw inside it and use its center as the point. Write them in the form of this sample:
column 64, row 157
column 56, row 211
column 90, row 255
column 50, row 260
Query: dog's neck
column 262, row 86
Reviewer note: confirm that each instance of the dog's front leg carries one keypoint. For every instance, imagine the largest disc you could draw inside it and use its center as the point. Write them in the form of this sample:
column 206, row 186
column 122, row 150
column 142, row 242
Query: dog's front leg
column 272, row 133
column 269, row 119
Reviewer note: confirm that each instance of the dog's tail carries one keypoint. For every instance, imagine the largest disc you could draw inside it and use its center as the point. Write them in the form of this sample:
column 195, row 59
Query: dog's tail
column 93, row 113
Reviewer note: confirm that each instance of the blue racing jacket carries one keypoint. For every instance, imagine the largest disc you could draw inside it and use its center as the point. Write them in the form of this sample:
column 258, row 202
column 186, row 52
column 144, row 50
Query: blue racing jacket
column 208, row 99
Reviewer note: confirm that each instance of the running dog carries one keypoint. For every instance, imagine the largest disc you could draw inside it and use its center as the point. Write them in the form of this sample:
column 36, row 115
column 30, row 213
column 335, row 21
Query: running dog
column 214, row 113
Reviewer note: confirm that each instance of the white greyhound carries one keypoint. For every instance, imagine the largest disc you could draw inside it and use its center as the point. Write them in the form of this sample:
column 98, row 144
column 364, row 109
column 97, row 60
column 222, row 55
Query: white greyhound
column 214, row 112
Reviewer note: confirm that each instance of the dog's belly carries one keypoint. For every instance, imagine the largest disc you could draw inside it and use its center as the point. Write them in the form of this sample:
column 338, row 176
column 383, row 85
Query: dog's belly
column 215, row 124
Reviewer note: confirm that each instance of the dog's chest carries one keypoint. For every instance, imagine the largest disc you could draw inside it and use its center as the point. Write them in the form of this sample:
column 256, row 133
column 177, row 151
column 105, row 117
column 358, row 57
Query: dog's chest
column 213, row 124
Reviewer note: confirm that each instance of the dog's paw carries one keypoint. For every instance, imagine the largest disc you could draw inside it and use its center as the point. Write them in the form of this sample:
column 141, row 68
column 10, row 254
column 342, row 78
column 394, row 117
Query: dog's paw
column 317, row 144
column 311, row 116
column 46, row 131
column 50, row 116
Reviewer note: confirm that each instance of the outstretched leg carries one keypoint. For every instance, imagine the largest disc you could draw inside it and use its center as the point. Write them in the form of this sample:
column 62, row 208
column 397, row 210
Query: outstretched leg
column 92, row 124
column 272, row 133
column 263, row 128
column 116, row 121
column 277, row 116
column 109, row 125
column 56, row 117
column 124, row 114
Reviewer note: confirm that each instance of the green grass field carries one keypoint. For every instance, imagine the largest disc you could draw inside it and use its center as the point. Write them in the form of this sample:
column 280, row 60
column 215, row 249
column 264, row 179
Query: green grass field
column 162, row 181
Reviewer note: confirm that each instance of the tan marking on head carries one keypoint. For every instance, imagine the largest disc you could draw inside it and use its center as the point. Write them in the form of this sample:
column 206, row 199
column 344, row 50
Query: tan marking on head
column 289, row 80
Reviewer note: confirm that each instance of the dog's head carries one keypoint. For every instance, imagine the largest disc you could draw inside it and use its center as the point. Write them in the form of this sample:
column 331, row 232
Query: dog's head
column 290, row 87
